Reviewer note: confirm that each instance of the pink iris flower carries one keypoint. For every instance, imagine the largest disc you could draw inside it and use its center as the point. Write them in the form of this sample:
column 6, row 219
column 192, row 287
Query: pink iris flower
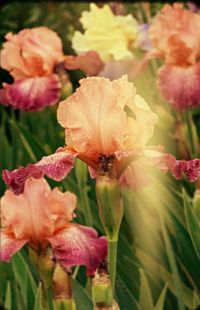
column 43, row 217
column 32, row 57
column 106, row 120
column 175, row 35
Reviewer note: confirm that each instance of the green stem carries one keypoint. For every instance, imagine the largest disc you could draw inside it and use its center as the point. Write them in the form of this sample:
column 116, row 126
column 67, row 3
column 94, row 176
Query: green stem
column 187, row 117
column 112, row 260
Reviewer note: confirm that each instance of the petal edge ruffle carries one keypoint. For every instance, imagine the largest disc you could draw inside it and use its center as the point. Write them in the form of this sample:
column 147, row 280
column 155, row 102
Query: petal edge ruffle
column 55, row 166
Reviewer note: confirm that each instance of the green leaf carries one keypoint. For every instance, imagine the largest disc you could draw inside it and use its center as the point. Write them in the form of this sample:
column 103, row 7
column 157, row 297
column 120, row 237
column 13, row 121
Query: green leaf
column 40, row 303
column 31, row 145
column 82, row 298
column 8, row 299
column 24, row 278
column 146, row 301
column 161, row 300
column 193, row 223
column 190, row 298
column 125, row 296
column 173, row 265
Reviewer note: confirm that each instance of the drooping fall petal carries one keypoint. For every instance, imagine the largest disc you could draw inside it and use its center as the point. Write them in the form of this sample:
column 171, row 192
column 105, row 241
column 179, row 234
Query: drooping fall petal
column 89, row 62
column 32, row 94
column 16, row 179
column 180, row 85
column 9, row 245
column 55, row 166
column 79, row 245
column 167, row 162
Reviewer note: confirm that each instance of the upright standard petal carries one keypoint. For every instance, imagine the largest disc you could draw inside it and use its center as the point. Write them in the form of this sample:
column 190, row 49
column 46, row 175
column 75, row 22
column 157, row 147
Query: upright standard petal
column 175, row 32
column 109, row 35
column 180, row 85
column 79, row 245
column 9, row 245
column 32, row 94
column 55, row 166
column 32, row 52
column 38, row 213
column 94, row 118
column 27, row 216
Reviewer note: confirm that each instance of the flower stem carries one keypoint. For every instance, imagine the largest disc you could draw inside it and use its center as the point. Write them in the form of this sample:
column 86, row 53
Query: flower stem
column 112, row 260
column 188, row 122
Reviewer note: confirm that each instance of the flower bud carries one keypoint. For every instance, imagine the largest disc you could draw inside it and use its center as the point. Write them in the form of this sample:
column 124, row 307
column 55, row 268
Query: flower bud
column 196, row 203
column 61, row 283
column 45, row 265
column 102, row 291
column 110, row 204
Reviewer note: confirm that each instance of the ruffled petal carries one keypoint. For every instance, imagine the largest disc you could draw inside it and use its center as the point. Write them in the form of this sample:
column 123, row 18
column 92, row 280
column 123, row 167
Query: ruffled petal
column 180, row 85
column 93, row 116
column 55, row 166
column 79, row 245
column 32, row 52
column 32, row 94
column 89, row 62
column 167, row 162
column 25, row 215
column 62, row 204
column 16, row 179
column 9, row 245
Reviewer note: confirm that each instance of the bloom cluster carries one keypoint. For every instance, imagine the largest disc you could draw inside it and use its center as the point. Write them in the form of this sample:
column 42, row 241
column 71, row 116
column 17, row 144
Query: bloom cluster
column 107, row 124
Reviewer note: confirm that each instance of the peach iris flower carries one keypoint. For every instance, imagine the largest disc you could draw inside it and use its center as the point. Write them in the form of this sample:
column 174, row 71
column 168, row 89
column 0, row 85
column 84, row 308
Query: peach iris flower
column 33, row 58
column 30, row 57
column 43, row 217
column 105, row 121
column 175, row 35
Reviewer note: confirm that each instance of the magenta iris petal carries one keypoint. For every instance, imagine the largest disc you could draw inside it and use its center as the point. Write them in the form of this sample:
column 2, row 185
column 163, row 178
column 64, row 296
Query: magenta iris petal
column 32, row 94
column 180, row 85
column 9, row 245
column 55, row 166
column 79, row 245
column 178, row 168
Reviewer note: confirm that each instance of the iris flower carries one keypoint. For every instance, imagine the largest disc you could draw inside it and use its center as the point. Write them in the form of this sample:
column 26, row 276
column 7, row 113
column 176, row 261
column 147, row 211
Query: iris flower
column 43, row 217
column 175, row 36
column 33, row 58
column 106, row 123
column 108, row 34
